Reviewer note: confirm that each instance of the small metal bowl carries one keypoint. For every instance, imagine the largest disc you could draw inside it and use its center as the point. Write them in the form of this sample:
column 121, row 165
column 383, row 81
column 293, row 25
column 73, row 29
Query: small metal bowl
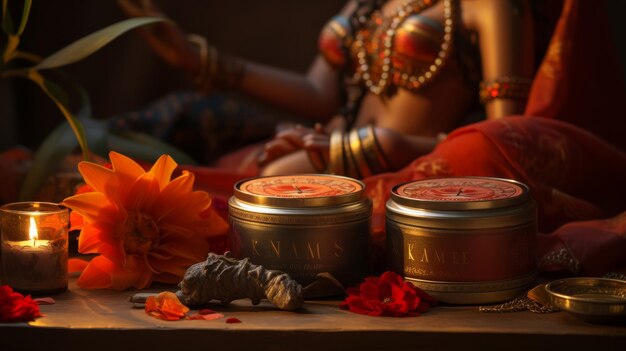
column 593, row 299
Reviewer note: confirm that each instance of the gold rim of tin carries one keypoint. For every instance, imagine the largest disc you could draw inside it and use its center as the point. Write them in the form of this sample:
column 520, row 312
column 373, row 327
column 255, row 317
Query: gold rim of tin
column 478, row 219
column 475, row 292
column 589, row 297
column 290, row 202
column 299, row 216
column 464, row 205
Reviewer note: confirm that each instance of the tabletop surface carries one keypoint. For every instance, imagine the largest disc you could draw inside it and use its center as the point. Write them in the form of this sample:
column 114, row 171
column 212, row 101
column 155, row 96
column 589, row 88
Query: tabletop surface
column 105, row 319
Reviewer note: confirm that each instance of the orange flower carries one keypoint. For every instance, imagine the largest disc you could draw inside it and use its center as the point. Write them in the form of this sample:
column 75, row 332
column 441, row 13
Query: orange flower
column 145, row 226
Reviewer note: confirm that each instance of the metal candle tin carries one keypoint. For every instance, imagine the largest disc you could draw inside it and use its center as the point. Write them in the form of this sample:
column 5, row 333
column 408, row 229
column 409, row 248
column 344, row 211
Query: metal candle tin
column 302, row 225
column 465, row 240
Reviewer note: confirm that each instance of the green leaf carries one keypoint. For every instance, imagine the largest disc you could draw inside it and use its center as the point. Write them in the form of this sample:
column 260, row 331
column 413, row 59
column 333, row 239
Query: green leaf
column 7, row 23
column 61, row 142
column 48, row 159
column 86, row 46
column 145, row 147
column 25, row 15
column 77, row 127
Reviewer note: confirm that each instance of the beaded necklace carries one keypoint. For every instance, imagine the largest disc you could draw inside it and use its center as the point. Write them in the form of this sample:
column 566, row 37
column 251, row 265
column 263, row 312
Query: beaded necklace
column 411, row 82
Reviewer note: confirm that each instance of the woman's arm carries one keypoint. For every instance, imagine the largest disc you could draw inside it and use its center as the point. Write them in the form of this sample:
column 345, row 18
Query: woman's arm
column 314, row 95
column 506, row 47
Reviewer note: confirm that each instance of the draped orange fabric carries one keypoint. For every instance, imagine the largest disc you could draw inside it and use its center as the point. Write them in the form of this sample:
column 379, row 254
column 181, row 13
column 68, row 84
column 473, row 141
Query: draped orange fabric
column 568, row 147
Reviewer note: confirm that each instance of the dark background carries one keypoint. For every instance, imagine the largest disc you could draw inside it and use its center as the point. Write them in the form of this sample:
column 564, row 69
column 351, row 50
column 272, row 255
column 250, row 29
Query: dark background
column 126, row 75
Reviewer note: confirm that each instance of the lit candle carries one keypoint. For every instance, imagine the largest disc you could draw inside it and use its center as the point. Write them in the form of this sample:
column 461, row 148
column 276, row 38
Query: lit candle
column 34, row 247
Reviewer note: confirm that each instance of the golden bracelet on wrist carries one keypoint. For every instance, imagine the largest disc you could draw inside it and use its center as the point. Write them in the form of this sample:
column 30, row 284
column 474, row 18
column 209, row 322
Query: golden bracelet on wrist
column 504, row 88
column 217, row 70
column 203, row 50
column 356, row 154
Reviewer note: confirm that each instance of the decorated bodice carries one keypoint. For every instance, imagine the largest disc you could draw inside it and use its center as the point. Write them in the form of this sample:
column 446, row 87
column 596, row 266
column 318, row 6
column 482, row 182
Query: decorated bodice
column 382, row 53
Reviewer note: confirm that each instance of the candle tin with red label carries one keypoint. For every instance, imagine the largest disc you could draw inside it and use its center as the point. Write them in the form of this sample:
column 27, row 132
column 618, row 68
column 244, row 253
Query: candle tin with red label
column 302, row 225
column 465, row 240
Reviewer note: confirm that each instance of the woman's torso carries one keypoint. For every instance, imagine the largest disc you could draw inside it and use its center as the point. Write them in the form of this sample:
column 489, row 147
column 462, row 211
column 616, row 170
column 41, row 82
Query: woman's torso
column 437, row 106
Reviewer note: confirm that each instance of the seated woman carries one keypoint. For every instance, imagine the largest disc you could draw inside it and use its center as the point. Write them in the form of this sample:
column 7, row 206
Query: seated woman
column 410, row 69
column 575, row 176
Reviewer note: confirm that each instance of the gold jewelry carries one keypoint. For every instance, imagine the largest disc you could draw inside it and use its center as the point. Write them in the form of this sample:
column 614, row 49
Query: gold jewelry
column 357, row 153
column 337, row 161
column 371, row 150
column 504, row 88
column 351, row 168
column 407, row 81
column 203, row 49
column 216, row 69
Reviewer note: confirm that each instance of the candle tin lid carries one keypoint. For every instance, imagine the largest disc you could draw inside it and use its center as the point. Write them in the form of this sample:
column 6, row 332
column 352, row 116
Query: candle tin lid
column 306, row 190
column 300, row 199
column 461, row 202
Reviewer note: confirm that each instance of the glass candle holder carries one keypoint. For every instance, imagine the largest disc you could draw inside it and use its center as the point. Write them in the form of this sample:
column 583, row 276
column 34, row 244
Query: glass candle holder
column 33, row 248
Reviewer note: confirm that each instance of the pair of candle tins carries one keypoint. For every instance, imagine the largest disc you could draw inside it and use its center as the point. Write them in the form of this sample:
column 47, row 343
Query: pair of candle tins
column 34, row 247
column 465, row 240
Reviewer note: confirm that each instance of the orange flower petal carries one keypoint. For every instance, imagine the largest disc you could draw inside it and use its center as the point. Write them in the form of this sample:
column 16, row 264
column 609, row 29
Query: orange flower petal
column 125, row 165
column 143, row 193
column 76, row 265
column 76, row 221
column 123, row 278
column 100, row 178
column 95, row 207
column 97, row 274
column 163, row 169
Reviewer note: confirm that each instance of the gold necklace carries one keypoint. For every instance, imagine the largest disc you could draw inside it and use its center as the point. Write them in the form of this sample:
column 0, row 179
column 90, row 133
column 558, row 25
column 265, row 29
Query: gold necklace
column 411, row 82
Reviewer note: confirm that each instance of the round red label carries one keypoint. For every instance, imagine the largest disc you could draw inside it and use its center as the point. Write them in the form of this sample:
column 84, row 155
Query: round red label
column 460, row 189
column 300, row 186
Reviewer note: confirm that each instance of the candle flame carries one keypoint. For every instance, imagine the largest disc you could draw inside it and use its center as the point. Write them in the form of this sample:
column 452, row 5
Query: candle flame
column 32, row 231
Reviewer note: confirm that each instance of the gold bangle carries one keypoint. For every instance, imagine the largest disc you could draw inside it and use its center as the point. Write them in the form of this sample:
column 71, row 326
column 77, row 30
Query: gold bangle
column 357, row 153
column 351, row 168
column 337, row 161
column 371, row 151
column 203, row 49
column 504, row 88
column 380, row 155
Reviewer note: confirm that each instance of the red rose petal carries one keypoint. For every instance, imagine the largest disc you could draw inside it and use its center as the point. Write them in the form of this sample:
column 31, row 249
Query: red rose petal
column 206, row 317
column 387, row 295
column 206, row 311
column 232, row 320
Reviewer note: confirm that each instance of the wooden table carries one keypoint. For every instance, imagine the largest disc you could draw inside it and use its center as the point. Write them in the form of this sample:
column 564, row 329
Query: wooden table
column 105, row 320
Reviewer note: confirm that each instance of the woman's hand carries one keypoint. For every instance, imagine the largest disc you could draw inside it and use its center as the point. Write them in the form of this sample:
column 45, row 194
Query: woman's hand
column 166, row 39
column 314, row 140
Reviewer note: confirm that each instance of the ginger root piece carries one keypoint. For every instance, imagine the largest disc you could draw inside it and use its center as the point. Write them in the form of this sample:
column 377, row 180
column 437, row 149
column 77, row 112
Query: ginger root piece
column 224, row 278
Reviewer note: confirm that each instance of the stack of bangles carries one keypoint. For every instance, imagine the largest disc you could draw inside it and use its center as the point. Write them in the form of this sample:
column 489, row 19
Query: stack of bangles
column 217, row 70
column 504, row 88
column 356, row 153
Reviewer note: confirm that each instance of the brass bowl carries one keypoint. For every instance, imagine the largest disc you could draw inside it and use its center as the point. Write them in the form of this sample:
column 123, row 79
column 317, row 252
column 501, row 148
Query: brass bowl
column 592, row 299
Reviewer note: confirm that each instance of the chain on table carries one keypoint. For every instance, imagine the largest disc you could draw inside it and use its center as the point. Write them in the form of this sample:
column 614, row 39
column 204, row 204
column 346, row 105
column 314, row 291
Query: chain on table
column 521, row 303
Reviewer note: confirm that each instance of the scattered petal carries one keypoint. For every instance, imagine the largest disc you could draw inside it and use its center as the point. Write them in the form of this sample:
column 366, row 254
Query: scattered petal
column 45, row 301
column 206, row 317
column 232, row 320
column 166, row 306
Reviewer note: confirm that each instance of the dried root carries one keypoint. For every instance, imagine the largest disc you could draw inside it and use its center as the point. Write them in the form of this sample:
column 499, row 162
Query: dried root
column 224, row 278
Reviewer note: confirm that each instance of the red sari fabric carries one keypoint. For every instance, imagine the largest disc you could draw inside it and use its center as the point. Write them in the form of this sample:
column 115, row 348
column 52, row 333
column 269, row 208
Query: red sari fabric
column 560, row 148
column 577, row 178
